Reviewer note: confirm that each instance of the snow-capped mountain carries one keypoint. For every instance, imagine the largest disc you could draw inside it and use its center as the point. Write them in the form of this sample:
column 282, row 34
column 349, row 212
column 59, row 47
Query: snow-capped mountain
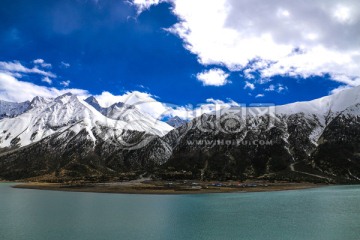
column 132, row 114
column 68, row 112
column 323, row 106
column 12, row 109
column 317, row 140
column 67, row 138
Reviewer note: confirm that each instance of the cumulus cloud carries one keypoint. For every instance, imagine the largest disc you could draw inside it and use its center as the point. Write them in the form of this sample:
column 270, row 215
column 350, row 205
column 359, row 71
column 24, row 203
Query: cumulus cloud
column 15, row 68
column 47, row 80
column 146, row 103
column 249, row 85
column 149, row 104
column 213, row 77
column 65, row 83
column 146, row 4
column 106, row 99
column 271, row 88
column 42, row 63
column 142, row 100
column 14, row 90
column 279, row 37
column 281, row 88
column 278, row 88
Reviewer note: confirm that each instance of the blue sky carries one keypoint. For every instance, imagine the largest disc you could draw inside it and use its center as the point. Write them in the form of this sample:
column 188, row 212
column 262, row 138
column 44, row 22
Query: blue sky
column 168, row 48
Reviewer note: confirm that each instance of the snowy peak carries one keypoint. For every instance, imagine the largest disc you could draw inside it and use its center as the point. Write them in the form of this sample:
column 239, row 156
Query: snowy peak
column 344, row 99
column 134, row 98
column 176, row 122
column 92, row 101
column 12, row 109
column 353, row 110
column 117, row 105
column 43, row 119
column 330, row 104
column 39, row 102
column 65, row 98
column 25, row 123
column 69, row 112
column 132, row 115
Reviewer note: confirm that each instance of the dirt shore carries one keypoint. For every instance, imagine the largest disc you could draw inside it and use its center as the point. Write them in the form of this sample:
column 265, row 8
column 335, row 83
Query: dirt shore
column 153, row 187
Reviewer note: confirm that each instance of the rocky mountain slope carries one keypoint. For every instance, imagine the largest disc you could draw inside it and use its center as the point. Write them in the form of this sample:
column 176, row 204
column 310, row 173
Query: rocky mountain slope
column 315, row 141
column 71, row 138
column 68, row 137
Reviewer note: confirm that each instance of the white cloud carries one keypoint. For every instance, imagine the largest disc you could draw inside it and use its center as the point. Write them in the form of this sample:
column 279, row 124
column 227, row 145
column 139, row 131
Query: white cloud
column 147, row 103
column 106, row 99
column 259, row 95
column 294, row 38
column 146, row 4
column 65, row 83
column 16, row 68
column 249, row 85
column 213, row 77
column 65, row 64
column 12, row 89
column 38, row 61
column 47, row 80
column 271, row 88
column 281, row 88
column 143, row 101
column 278, row 88
column 42, row 63
column 210, row 106
column 248, row 74
column 342, row 13
column 283, row 13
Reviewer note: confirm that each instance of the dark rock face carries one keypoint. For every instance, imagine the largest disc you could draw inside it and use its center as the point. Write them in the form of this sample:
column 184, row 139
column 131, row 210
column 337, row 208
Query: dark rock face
column 176, row 122
column 258, row 148
column 338, row 153
column 268, row 150
column 74, row 156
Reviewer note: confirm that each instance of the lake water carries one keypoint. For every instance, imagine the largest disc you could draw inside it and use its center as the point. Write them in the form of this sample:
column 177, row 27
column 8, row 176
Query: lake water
column 323, row 213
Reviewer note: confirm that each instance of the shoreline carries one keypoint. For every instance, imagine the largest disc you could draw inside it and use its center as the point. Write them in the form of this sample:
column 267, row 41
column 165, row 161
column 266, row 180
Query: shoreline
column 161, row 188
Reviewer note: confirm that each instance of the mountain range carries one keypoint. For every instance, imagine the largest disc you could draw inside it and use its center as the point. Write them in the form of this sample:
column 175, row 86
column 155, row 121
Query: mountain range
column 67, row 138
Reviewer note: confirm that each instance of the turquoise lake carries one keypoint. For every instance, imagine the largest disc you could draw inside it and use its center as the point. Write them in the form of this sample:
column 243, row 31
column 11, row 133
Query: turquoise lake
column 320, row 214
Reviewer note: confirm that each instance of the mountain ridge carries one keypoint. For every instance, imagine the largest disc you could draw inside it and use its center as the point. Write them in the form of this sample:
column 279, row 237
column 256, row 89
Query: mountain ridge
column 92, row 143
